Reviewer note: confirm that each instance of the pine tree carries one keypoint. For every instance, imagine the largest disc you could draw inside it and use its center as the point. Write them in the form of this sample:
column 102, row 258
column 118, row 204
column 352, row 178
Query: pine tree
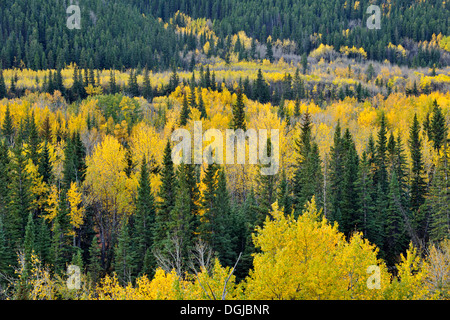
column 167, row 195
column 284, row 194
column 262, row 93
column 124, row 258
column 417, row 181
column 94, row 267
column 395, row 234
column 238, row 120
column 147, row 91
column 3, row 91
column 112, row 82
column 201, row 106
column 269, row 50
column 133, row 88
column 438, row 127
column 29, row 244
column 45, row 168
column 20, row 196
column 5, row 252
column 308, row 175
column 8, row 127
column 33, row 139
column 266, row 185
column 185, row 111
column 366, row 204
column 438, row 202
column 43, row 242
column 144, row 220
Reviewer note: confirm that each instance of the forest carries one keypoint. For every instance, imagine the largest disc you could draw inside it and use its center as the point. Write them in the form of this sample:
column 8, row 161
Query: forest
column 86, row 154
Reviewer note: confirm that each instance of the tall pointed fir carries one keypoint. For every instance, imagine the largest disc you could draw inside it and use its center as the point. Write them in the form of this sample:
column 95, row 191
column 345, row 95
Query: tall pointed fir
column 308, row 176
column 167, row 193
column 185, row 111
column 417, row 180
column 144, row 220
column 238, row 120
column 124, row 260
column 438, row 127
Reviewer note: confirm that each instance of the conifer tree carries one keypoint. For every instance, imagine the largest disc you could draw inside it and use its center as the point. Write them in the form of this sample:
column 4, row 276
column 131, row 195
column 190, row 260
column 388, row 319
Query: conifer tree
column 144, row 220
column 3, row 91
column 8, row 127
column 185, row 111
column 167, row 195
column 124, row 258
column 94, row 267
column 238, row 120
column 438, row 127
column 308, row 175
column 417, row 181
column 29, row 240
column 201, row 106
column 147, row 91
column 395, row 234
column 438, row 202
column 43, row 241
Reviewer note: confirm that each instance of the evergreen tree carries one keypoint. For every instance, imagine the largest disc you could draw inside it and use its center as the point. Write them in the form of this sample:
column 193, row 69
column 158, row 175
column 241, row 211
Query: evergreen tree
column 438, row 202
column 395, row 234
column 43, row 242
column 29, row 241
column 147, row 91
column 6, row 260
column 438, row 127
column 201, row 106
column 366, row 204
column 167, row 195
column 112, row 83
column 94, row 267
column 20, row 196
column 269, row 50
column 262, row 93
column 124, row 256
column 308, row 175
column 8, row 127
column 144, row 220
column 133, row 88
column 185, row 111
column 417, row 181
column 238, row 120
column 267, row 185
column 3, row 91
column 284, row 194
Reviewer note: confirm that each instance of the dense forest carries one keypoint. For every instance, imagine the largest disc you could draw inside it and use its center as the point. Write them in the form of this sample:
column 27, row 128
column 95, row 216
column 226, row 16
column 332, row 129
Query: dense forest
column 131, row 34
column 86, row 151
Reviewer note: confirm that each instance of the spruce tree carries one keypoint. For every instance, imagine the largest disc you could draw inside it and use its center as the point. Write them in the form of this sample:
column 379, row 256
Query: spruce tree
column 417, row 180
column 8, row 127
column 185, row 111
column 94, row 267
column 147, row 91
column 43, row 241
column 123, row 255
column 438, row 202
column 3, row 91
column 167, row 195
column 395, row 234
column 438, row 127
column 308, row 176
column 201, row 106
column 144, row 221
column 238, row 120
